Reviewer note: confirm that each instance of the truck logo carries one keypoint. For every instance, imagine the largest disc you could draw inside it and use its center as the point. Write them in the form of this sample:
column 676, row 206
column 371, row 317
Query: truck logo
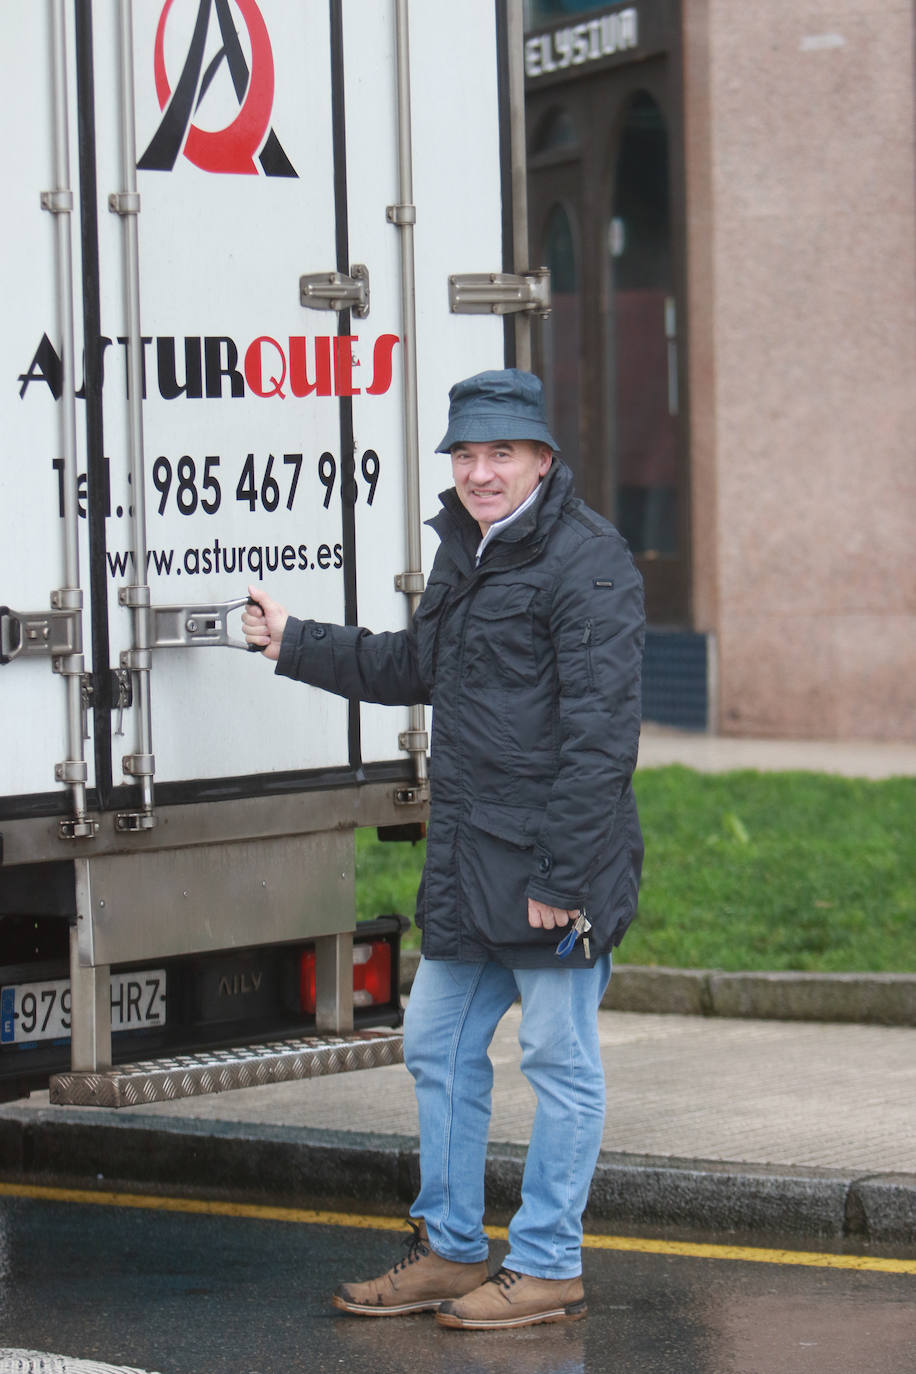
column 233, row 148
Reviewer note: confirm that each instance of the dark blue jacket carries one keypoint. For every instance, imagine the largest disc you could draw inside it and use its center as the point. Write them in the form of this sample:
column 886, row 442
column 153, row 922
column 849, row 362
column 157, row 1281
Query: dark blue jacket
column 531, row 663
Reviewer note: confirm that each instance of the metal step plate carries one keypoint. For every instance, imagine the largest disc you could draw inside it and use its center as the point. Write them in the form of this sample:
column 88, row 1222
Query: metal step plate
column 36, row 1362
column 218, row 1071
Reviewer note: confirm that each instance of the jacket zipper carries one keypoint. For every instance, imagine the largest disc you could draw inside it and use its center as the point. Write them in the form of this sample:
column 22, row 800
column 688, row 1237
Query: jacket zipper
column 586, row 642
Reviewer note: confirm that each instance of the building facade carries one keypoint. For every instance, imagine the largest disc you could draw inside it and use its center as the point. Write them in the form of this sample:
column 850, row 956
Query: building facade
column 724, row 194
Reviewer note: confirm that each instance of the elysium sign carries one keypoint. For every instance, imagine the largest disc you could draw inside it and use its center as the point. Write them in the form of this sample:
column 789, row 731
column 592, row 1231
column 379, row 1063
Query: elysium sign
column 581, row 44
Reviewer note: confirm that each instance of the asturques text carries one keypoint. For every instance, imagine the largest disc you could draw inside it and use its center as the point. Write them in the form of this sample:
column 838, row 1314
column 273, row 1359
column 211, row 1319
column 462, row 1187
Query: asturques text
column 212, row 366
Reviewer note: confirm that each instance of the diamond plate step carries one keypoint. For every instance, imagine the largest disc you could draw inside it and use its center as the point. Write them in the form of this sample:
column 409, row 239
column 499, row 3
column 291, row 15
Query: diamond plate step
column 37, row 1362
column 217, row 1071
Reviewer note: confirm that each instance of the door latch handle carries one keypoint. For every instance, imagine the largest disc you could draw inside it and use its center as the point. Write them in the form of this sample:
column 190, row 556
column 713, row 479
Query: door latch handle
column 195, row 627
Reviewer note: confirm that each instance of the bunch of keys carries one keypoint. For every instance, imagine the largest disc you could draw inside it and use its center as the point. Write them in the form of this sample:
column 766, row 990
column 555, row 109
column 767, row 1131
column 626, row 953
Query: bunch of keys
column 580, row 926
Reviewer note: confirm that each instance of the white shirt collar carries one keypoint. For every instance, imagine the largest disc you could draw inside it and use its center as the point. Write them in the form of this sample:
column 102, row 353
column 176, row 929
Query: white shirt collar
column 507, row 520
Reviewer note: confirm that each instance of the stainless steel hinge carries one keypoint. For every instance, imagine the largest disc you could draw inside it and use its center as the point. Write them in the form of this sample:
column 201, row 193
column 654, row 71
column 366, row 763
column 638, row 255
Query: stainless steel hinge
column 412, row 583
column 337, row 291
column 135, row 596
column 124, row 202
column 56, row 633
column 132, row 822
column 58, row 202
column 78, row 828
column 401, row 214
column 71, row 770
column 416, row 795
column 414, row 741
column 139, row 765
column 499, row 293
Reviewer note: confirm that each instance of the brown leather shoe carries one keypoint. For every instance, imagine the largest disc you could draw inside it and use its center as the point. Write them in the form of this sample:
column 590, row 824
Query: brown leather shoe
column 511, row 1299
column 417, row 1283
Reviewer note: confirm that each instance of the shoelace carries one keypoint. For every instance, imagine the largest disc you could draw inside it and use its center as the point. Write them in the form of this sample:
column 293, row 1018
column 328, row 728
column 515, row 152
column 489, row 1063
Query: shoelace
column 504, row 1278
column 416, row 1247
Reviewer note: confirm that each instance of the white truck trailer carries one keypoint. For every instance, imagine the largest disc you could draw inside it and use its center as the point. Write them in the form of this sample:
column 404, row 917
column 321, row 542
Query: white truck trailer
column 247, row 247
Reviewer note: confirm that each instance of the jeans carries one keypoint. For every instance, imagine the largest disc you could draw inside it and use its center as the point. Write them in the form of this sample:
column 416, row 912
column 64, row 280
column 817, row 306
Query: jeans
column 452, row 1014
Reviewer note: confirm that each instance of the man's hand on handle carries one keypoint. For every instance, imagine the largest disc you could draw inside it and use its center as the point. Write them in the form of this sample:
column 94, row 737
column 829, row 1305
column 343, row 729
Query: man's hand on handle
column 263, row 623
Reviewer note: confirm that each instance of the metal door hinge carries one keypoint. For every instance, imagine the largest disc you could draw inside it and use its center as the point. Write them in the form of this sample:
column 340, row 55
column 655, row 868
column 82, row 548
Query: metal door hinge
column 337, row 291
column 414, row 741
column 78, row 828
column 135, row 596
column 124, row 202
column 132, row 822
column 71, row 770
column 401, row 214
column 56, row 633
column 412, row 583
column 58, row 202
column 139, row 765
column 417, row 795
column 499, row 293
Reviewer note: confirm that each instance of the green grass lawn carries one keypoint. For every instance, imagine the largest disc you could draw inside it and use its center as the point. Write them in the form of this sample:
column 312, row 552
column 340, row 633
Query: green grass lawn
column 745, row 871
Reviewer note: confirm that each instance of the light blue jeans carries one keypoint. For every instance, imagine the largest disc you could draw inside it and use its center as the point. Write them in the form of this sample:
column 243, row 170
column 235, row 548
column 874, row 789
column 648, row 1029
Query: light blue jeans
column 452, row 1014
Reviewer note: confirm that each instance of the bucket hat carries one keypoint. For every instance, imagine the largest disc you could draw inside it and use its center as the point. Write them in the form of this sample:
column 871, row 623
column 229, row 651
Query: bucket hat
column 504, row 404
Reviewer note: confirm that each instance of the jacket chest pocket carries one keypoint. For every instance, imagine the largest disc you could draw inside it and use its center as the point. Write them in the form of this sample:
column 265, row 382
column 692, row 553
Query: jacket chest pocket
column 501, row 635
column 426, row 625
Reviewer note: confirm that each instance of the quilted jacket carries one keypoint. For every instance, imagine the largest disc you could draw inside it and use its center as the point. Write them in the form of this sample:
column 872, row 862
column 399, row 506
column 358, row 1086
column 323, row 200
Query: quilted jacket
column 531, row 662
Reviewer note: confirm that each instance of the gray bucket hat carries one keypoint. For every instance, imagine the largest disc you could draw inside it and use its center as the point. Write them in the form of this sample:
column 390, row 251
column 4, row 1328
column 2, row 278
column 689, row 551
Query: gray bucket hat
column 505, row 404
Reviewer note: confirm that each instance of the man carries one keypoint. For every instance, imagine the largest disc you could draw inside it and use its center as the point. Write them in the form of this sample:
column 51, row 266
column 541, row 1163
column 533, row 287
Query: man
column 527, row 642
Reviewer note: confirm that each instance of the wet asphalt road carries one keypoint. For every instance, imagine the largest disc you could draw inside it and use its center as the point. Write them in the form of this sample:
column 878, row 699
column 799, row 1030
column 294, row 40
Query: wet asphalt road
column 196, row 1294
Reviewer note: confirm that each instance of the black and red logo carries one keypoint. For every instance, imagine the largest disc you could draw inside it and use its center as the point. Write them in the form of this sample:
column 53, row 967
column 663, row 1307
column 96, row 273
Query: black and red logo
column 249, row 135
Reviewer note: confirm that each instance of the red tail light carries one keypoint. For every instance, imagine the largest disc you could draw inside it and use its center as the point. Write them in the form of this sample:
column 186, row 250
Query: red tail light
column 371, row 976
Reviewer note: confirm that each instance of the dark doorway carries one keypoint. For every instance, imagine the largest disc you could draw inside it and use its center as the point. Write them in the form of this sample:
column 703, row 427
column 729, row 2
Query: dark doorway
column 604, row 186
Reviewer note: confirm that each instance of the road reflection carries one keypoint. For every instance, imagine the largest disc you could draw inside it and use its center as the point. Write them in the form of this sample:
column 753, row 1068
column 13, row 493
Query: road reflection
column 146, row 1287
column 419, row 1344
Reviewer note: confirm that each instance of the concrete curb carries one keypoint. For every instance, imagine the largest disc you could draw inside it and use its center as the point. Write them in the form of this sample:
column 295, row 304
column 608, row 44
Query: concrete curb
column 884, row 999
column 294, row 1166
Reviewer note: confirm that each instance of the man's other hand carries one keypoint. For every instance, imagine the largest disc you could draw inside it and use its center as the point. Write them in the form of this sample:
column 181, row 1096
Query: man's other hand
column 263, row 623
column 547, row 917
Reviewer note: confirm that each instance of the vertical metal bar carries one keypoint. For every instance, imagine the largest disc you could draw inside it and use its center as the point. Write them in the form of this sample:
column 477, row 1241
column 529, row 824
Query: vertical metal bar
column 61, row 155
column 404, row 219
column 60, row 202
column 671, row 346
column 138, row 598
column 515, row 42
column 90, row 991
column 334, row 983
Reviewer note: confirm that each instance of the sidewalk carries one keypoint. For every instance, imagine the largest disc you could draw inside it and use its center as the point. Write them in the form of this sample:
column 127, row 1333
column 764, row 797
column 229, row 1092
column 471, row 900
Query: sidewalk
column 660, row 745
column 716, row 1123
column 713, row 1125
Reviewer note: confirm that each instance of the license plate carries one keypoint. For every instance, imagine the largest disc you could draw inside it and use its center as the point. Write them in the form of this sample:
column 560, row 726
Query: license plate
column 30, row 1012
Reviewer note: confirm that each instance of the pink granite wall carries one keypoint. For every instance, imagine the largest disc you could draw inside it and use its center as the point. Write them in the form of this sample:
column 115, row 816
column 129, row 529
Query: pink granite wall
column 802, row 318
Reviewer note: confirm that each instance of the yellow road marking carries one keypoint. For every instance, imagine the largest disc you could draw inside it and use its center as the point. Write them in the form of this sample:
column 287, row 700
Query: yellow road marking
column 637, row 1244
